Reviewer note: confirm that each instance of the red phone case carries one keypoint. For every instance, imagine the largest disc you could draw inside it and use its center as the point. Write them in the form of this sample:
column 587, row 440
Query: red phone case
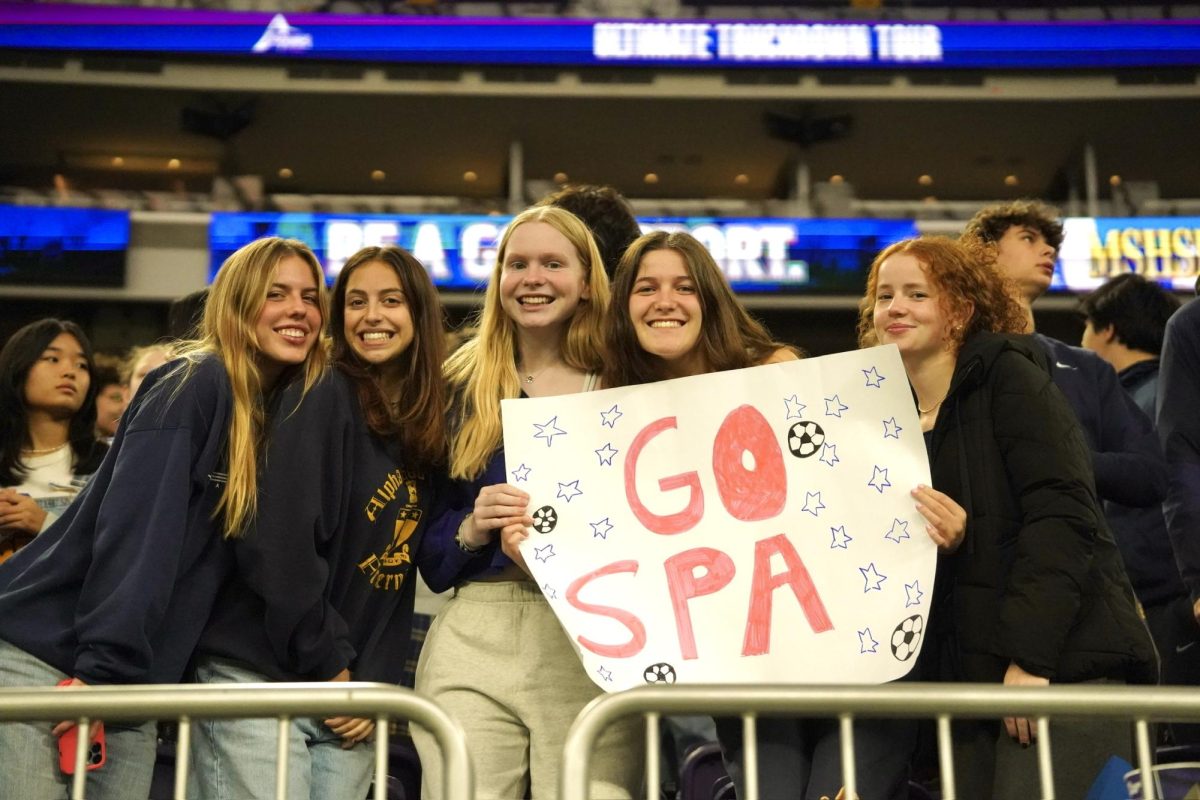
column 69, row 740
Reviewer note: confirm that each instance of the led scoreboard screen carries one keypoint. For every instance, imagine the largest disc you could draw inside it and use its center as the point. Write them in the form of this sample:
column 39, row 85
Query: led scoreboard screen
column 62, row 246
column 757, row 255
column 1161, row 249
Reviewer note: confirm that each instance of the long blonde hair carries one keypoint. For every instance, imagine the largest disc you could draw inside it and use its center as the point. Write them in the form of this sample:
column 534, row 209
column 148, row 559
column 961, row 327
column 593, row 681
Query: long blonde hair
column 484, row 370
column 226, row 331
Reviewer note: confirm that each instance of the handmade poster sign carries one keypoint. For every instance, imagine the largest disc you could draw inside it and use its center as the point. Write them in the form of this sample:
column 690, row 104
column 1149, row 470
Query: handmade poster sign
column 739, row 527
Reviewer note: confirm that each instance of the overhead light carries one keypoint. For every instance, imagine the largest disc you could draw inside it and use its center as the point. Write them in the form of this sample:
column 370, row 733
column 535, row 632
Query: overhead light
column 192, row 163
column 378, row 175
column 741, row 179
column 836, row 179
column 1011, row 180
column 925, row 180
column 470, row 176
column 651, row 177
column 560, row 177
column 929, row 199
column 285, row 173
column 1114, row 180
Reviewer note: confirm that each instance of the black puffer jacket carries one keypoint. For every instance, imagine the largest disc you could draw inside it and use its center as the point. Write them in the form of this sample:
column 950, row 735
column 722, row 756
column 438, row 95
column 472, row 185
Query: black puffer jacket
column 1038, row 579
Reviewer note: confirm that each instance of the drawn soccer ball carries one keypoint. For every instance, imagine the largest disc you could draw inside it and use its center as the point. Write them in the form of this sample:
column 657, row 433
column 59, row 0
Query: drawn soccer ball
column 906, row 639
column 805, row 438
column 659, row 673
column 544, row 519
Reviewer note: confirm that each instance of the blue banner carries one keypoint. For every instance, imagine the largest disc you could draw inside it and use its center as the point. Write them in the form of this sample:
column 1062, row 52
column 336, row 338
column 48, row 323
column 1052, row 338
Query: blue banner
column 757, row 255
column 573, row 42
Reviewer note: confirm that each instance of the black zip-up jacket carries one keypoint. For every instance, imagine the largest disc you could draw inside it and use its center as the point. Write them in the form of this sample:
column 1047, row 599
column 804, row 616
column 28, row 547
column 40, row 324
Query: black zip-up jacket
column 1038, row 579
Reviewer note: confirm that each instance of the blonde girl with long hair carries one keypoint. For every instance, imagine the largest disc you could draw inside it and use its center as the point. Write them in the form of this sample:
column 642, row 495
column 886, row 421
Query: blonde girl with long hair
column 118, row 590
column 496, row 657
column 325, row 582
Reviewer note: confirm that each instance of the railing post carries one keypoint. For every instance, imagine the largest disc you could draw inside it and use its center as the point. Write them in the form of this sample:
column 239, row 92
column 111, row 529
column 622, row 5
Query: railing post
column 653, row 766
column 381, row 756
column 83, row 750
column 281, row 758
column 1045, row 758
column 183, row 745
column 849, row 767
column 750, row 755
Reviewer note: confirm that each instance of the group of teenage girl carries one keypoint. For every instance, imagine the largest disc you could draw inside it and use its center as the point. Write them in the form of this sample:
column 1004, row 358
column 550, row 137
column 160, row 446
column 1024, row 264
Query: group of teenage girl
column 271, row 489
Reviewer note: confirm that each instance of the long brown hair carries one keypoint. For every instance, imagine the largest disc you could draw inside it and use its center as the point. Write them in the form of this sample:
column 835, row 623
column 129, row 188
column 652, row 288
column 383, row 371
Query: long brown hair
column 484, row 370
column 729, row 337
column 420, row 419
column 969, row 292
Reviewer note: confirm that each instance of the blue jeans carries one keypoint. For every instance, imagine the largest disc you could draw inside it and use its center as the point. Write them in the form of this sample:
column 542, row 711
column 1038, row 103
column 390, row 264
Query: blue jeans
column 234, row 759
column 29, row 752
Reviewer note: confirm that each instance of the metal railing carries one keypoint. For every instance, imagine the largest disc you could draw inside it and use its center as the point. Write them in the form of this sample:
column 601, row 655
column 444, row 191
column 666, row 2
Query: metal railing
column 248, row 700
column 942, row 702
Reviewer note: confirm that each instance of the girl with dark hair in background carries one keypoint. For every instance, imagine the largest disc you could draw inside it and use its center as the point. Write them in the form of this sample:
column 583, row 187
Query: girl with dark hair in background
column 117, row 591
column 48, row 445
column 1036, row 592
column 324, row 583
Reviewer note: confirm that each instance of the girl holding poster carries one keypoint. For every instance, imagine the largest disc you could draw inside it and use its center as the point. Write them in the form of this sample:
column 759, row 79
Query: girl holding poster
column 1037, row 592
column 118, row 589
column 674, row 315
column 324, row 585
column 496, row 656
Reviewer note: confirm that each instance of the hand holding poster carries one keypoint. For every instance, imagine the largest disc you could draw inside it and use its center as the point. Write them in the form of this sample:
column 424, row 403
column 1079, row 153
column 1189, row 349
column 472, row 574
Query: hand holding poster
column 738, row 527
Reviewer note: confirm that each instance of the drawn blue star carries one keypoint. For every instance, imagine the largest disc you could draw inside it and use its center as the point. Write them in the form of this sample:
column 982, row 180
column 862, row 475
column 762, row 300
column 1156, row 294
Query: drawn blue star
column 840, row 538
column 548, row 431
column 809, row 505
column 794, row 407
column 873, row 378
column 569, row 491
column 870, row 574
column 544, row 554
column 879, row 480
column 913, row 594
column 890, row 429
column 610, row 417
column 866, row 642
column 606, row 454
column 829, row 454
column 548, row 590
column 899, row 531
column 605, row 674
column 521, row 474
column 834, row 407
column 600, row 529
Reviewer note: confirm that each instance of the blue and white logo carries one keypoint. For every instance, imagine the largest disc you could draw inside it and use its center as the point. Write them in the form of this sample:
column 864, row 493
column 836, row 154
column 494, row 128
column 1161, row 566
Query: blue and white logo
column 281, row 36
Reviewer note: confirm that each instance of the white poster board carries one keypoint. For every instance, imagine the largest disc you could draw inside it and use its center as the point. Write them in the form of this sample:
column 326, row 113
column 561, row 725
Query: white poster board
column 739, row 527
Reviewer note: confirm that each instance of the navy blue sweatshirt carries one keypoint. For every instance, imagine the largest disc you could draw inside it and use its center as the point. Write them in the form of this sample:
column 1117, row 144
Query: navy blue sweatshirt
column 324, row 580
column 1179, row 429
column 1126, row 456
column 1142, row 532
column 118, row 589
